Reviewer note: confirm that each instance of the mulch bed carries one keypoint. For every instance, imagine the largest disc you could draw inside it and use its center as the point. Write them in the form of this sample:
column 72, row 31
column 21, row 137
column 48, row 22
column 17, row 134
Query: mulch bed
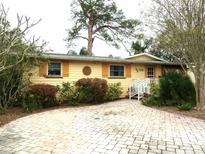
column 192, row 113
column 16, row 112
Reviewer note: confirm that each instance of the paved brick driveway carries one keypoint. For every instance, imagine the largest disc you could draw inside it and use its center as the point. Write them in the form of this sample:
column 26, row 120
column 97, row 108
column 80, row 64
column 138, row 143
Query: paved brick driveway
column 118, row 127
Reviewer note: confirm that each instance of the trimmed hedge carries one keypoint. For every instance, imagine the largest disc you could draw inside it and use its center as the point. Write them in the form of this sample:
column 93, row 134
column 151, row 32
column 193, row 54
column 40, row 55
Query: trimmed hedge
column 88, row 90
column 38, row 96
column 91, row 90
column 85, row 90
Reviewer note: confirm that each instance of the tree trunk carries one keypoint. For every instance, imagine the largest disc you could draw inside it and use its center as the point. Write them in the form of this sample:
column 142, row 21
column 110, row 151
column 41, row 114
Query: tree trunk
column 200, row 92
column 90, row 38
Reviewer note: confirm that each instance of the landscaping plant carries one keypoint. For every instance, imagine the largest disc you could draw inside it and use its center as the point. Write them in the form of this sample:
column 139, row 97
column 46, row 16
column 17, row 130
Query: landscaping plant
column 91, row 90
column 38, row 96
column 176, row 87
column 68, row 94
column 14, row 62
column 185, row 106
column 44, row 94
column 114, row 91
column 154, row 97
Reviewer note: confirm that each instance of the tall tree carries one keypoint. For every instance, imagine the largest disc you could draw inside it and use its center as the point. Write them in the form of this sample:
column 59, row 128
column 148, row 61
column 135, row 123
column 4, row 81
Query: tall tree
column 182, row 30
column 102, row 20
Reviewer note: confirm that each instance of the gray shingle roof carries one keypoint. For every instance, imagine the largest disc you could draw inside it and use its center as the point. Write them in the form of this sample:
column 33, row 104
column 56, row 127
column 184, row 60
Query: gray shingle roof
column 102, row 59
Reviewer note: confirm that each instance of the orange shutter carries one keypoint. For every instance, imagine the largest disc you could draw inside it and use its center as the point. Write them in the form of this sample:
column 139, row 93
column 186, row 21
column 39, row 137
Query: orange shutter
column 65, row 69
column 43, row 69
column 145, row 69
column 155, row 71
column 105, row 70
column 128, row 70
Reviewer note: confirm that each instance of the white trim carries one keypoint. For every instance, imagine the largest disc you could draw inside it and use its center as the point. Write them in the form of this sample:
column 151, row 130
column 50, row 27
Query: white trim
column 117, row 65
column 147, row 54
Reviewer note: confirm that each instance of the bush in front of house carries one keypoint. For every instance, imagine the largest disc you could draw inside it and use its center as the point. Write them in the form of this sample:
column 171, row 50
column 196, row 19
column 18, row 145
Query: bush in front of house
column 91, row 90
column 28, row 101
column 67, row 94
column 176, row 87
column 114, row 91
column 44, row 94
column 38, row 96
column 154, row 97
column 88, row 90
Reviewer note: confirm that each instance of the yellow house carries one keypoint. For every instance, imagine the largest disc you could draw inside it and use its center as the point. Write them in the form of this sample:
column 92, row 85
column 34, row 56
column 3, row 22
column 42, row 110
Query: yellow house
column 65, row 68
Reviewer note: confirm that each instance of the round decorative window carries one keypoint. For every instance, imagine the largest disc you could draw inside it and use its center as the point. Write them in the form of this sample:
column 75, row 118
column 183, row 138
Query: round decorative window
column 87, row 70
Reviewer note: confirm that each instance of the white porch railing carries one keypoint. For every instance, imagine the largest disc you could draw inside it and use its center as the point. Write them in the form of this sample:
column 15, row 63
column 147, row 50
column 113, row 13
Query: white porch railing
column 140, row 86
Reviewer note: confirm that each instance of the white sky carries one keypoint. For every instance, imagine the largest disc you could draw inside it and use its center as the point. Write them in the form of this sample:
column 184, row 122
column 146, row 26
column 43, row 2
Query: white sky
column 55, row 15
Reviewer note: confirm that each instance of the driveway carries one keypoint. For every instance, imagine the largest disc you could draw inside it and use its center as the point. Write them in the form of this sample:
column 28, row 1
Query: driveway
column 123, row 126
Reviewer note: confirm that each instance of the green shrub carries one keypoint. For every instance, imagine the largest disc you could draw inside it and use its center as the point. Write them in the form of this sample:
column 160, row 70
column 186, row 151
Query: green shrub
column 44, row 94
column 154, row 89
column 38, row 96
column 176, row 87
column 28, row 101
column 91, row 90
column 185, row 106
column 150, row 101
column 68, row 94
column 114, row 91
column 154, row 97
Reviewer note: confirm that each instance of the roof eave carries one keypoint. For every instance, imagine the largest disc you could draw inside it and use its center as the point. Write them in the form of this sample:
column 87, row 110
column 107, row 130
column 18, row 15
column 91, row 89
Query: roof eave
column 74, row 58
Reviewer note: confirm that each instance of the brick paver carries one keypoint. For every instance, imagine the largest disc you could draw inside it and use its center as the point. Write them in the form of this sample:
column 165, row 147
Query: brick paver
column 122, row 127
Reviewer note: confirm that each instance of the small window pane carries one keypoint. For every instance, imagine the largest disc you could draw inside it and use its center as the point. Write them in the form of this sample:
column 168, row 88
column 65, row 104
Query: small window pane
column 116, row 70
column 150, row 72
column 54, row 69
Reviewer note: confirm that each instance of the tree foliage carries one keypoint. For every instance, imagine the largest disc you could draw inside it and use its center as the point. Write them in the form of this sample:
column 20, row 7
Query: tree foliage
column 102, row 20
column 182, row 31
column 83, row 51
column 17, row 55
column 72, row 53
column 151, row 46
column 141, row 45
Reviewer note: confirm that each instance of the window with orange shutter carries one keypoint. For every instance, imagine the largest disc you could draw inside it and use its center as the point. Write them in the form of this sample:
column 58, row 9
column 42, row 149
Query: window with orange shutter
column 54, row 69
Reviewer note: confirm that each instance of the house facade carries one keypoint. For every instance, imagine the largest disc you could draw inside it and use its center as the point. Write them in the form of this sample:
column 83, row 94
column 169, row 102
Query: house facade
column 64, row 68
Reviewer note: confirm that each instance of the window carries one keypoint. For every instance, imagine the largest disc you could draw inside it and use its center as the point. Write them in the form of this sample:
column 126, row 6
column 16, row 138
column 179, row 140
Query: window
column 116, row 70
column 150, row 72
column 54, row 69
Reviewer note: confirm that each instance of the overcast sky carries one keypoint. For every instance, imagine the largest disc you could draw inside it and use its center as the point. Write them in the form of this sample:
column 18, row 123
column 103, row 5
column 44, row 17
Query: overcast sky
column 55, row 15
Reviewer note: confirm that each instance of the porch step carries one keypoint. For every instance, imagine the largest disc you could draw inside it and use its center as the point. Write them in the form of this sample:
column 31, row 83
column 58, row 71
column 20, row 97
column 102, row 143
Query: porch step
column 139, row 87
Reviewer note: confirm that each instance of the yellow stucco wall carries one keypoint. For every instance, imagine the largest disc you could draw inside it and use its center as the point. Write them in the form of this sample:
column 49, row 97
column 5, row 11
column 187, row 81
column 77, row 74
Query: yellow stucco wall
column 158, row 70
column 75, row 73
